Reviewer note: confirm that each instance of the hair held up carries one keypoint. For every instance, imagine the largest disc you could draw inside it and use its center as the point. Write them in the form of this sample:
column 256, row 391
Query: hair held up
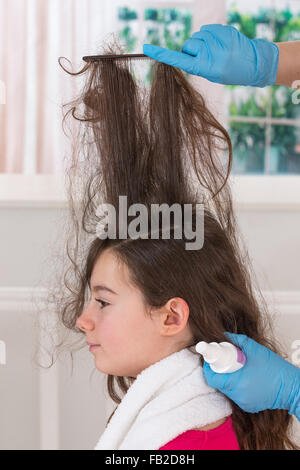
column 161, row 144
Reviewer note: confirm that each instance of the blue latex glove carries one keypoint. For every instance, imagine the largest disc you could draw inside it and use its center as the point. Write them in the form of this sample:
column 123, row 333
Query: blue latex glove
column 221, row 54
column 267, row 381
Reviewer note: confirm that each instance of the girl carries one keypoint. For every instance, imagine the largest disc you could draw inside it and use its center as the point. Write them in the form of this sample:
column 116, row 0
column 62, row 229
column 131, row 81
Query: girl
column 143, row 302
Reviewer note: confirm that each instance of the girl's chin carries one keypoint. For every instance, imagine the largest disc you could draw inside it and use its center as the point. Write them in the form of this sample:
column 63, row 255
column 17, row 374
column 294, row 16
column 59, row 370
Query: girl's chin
column 110, row 371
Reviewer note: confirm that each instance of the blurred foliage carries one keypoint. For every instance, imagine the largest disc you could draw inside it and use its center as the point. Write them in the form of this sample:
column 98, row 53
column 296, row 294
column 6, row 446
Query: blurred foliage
column 125, row 14
column 250, row 107
column 283, row 141
column 280, row 25
column 170, row 28
column 165, row 27
column 284, row 25
column 126, row 34
column 248, row 140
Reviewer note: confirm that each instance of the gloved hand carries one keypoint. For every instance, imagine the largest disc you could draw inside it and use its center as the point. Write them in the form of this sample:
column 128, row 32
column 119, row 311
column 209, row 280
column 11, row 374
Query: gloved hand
column 267, row 381
column 221, row 54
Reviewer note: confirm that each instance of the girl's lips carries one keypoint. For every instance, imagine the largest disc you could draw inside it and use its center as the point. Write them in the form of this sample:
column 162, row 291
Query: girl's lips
column 94, row 346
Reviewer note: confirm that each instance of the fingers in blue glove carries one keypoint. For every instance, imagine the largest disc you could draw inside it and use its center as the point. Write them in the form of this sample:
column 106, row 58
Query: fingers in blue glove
column 216, row 380
column 241, row 341
column 169, row 57
column 222, row 54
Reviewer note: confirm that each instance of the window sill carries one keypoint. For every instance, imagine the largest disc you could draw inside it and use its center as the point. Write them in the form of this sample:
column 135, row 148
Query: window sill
column 257, row 192
column 266, row 192
column 33, row 191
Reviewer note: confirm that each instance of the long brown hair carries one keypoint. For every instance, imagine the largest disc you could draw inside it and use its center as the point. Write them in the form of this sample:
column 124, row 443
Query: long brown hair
column 163, row 145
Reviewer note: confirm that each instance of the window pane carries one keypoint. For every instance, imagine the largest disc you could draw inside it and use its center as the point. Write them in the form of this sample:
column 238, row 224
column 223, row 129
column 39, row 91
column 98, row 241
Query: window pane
column 128, row 27
column 286, row 20
column 251, row 18
column 275, row 20
column 284, row 149
column 167, row 27
column 248, row 142
column 246, row 101
column 282, row 102
column 254, row 20
column 286, row 28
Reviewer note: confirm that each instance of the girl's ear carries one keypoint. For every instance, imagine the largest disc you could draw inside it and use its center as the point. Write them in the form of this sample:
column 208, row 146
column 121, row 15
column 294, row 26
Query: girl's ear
column 176, row 314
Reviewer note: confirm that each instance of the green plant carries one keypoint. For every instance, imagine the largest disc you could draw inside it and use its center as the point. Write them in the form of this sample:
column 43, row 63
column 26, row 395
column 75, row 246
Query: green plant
column 126, row 15
column 286, row 27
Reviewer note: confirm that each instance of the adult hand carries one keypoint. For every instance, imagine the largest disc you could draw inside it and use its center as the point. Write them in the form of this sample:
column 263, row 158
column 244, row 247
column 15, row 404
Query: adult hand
column 221, row 54
column 266, row 381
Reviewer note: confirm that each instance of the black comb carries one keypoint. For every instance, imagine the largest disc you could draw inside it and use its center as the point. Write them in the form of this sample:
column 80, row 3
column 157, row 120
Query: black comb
column 92, row 58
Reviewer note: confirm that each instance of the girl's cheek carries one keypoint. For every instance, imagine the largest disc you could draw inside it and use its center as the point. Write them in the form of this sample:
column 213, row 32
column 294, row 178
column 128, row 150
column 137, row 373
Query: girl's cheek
column 108, row 334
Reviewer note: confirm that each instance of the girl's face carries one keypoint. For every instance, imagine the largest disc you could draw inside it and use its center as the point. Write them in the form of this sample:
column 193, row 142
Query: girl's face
column 116, row 319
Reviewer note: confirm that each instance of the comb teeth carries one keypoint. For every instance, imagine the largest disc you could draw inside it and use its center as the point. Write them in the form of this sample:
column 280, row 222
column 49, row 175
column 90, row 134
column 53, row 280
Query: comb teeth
column 92, row 58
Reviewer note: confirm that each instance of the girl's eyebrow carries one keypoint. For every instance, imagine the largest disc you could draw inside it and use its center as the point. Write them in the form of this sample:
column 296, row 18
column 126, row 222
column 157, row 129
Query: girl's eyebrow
column 102, row 287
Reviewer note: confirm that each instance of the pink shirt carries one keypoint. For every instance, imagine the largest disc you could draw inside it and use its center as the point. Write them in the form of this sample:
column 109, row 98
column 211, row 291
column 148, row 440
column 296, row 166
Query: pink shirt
column 221, row 438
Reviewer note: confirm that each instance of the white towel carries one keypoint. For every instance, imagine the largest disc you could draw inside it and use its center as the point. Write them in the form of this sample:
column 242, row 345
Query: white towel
column 166, row 399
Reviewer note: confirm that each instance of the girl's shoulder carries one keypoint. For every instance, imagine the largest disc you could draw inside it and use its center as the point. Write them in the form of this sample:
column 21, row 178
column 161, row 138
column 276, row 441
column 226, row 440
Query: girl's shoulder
column 221, row 437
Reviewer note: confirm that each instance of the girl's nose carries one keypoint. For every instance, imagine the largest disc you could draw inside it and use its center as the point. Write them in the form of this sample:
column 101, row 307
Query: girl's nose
column 85, row 322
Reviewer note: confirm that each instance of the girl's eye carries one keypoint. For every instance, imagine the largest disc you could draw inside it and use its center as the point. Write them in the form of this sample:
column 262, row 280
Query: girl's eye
column 102, row 302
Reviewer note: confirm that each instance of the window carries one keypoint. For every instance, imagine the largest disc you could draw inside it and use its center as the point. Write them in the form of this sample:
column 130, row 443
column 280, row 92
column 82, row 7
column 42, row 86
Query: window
column 264, row 123
column 164, row 25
